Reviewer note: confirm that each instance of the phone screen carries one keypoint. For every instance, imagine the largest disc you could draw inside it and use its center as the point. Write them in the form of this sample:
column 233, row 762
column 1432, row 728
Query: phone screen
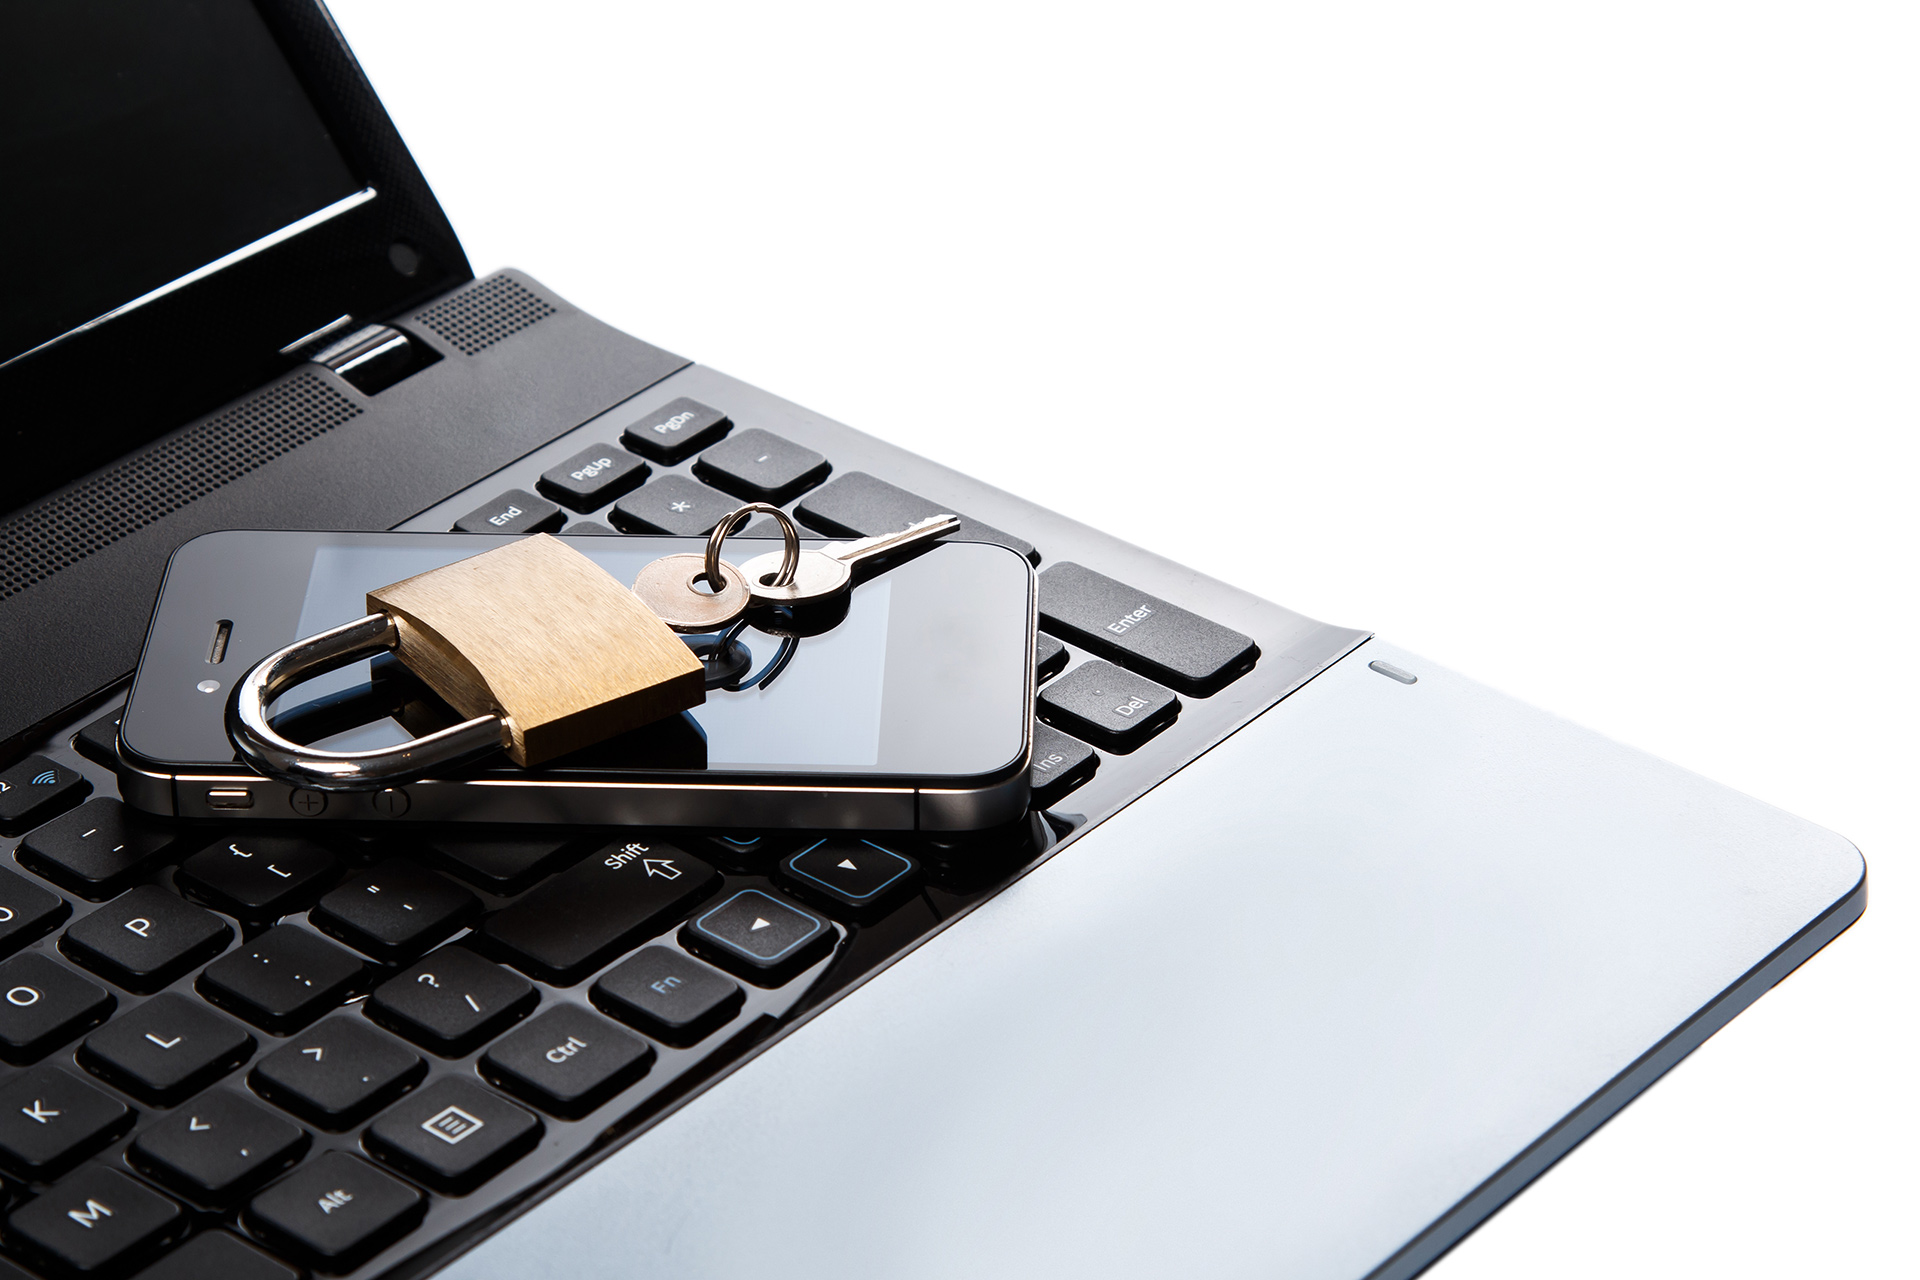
column 927, row 674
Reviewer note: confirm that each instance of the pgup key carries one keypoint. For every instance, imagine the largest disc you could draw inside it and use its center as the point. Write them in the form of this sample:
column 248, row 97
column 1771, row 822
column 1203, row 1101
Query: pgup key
column 829, row 571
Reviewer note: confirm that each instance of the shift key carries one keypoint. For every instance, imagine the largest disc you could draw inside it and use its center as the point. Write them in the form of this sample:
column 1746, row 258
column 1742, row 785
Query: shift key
column 621, row 896
column 1181, row 650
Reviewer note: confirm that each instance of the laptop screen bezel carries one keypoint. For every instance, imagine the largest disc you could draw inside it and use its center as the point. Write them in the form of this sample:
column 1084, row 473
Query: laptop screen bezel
column 80, row 403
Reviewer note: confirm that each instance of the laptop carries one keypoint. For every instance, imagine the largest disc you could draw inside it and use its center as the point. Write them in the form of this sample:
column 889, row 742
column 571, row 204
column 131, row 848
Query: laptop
column 1305, row 979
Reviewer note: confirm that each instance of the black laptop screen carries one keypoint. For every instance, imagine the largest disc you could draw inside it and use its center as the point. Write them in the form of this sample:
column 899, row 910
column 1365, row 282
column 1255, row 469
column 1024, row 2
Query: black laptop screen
column 144, row 143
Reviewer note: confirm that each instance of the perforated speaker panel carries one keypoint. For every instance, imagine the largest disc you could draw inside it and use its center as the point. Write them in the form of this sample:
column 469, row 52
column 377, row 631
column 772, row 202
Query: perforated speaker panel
column 482, row 314
column 46, row 539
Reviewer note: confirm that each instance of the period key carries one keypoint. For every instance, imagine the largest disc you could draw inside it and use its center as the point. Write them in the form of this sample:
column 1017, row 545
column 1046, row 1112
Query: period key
column 625, row 893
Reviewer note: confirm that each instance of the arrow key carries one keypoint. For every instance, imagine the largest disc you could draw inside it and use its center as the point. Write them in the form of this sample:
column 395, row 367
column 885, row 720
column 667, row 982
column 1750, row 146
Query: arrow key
column 49, row 1118
column 220, row 1146
column 762, row 938
column 854, row 874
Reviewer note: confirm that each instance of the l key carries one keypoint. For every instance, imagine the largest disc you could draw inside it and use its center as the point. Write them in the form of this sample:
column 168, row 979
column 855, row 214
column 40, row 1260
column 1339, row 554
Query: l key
column 829, row 570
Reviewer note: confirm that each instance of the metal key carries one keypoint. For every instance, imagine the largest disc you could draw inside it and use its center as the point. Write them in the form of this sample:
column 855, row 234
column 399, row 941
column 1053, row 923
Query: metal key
column 829, row 570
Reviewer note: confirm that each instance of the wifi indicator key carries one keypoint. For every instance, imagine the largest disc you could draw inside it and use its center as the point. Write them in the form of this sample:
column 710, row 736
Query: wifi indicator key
column 36, row 789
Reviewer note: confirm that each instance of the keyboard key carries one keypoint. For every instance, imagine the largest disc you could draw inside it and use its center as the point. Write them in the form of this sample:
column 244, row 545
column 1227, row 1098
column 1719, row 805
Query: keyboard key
column 593, row 477
column 49, row 1119
column 1108, row 707
column 97, row 1219
column 1049, row 657
column 567, row 1061
column 668, row 995
column 1060, row 763
column 589, row 529
column 167, row 1048
column 857, row 874
column 259, row 877
column 335, row 1210
column 758, row 936
column 220, row 1146
column 515, row 511
column 26, row 911
column 503, row 866
column 857, row 505
column 100, row 740
column 395, row 910
column 44, row 1004
column 451, row 1000
column 453, row 1135
column 35, row 789
column 146, row 938
column 748, row 852
column 1179, row 649
column 96, row 850
column 337, row 1072
column 218, row 1255
column 286, row 979
column 761, row 467
column 611, row 900
column 675, row 430
column 673, row 504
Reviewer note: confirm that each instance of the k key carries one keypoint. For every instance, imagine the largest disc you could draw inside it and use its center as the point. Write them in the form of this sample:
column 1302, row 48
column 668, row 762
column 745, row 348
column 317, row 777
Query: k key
column 49, row 1119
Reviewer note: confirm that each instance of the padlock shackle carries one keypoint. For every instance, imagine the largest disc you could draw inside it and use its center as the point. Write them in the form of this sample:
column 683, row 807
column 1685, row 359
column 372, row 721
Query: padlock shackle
column 287, row 761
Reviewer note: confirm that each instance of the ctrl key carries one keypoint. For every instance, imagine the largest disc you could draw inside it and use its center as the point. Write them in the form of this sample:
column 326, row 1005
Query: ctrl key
column 96, row 1219
column 335, row 1211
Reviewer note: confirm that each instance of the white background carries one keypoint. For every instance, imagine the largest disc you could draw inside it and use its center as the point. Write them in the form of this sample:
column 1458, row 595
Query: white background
column 1570, row 346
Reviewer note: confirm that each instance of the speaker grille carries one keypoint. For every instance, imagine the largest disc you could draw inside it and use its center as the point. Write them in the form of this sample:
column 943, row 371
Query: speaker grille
column 476, row 318
column 46, row 539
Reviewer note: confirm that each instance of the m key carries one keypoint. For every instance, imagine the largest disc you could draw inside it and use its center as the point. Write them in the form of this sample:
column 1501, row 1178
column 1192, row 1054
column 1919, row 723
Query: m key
column 96, row 1219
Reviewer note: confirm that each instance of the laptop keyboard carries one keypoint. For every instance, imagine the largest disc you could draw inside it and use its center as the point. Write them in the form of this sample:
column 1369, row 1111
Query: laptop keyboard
column 253, row 1051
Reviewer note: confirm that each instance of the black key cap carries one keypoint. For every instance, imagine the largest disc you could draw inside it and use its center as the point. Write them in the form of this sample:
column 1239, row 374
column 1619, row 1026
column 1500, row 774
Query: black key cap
column 43, row 1004
column 502, row 866
column 453, row 1135
column 1179, row 649
column 621, row 895
column 286, row 979
column 1108, row 707
column 26, row 911
column 758, row 936
column 97, row 850
column 590, row 529
column 337, row 1072
column 675, row 430
column 857, row 505
column 567, row 1061
column 49, row 1119
column 217, row 1255
column 450, row 1000
column 673, row 504
column 515, row 511
column 146, row 938
column 394, row 910
column 761, row 467
column 747, row 852
column 593, row 478
column 259, row 877
column 668, row 995
column 220, row 1146
column 167, row 1048
column 34, row 789
column 1049, row 658
column 98, row 1218
column 1060, row 763
column 335, row 1210
column 853, row 873
column 100, row 741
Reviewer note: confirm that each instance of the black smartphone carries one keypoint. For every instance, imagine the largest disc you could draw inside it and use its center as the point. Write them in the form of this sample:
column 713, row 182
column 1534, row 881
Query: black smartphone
column 905, row 706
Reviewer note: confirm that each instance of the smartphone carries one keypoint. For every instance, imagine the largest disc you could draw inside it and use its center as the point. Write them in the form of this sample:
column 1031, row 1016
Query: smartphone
column 908, row 707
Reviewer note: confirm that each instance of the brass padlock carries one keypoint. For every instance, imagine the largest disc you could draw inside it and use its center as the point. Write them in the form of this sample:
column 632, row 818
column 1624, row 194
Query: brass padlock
column 545, row 651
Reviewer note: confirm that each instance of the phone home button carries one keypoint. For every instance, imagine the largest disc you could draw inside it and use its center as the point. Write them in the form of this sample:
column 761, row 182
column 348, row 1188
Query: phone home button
column 307, row 802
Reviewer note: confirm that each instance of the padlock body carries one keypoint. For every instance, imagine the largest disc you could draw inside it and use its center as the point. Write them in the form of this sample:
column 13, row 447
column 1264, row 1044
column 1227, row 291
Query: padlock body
column 537, row 632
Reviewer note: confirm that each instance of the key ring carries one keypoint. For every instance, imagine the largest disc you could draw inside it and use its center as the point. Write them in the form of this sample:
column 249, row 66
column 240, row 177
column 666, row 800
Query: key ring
column 789, row 534
column 277, row 756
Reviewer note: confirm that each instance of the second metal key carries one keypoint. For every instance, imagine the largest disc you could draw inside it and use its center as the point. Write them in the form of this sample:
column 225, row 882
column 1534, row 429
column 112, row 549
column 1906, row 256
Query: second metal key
column 829, row 570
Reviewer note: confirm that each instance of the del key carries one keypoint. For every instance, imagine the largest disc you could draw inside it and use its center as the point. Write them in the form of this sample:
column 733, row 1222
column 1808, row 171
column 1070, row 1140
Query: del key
column 829, row 570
